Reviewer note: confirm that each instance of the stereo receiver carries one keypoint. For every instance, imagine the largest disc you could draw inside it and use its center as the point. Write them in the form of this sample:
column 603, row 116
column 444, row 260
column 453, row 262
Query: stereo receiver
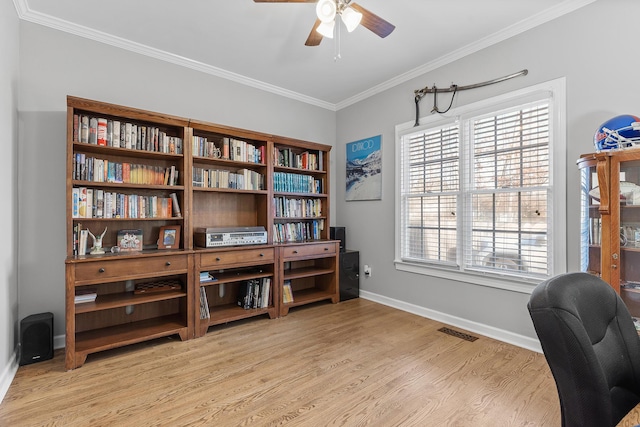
column 232, row 236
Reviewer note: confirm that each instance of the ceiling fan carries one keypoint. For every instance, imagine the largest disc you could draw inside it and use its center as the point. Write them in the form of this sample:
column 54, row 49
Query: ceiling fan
column 352, row 14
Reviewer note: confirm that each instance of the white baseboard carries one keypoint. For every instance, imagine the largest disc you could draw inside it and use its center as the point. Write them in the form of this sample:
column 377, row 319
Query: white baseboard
column 8, row 374
column 479, row 328
column 58, row 342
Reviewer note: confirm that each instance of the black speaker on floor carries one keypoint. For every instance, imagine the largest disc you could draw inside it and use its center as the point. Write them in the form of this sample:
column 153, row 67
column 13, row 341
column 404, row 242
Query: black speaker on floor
column 339, row 233
column 36, row 338
column 349, row 275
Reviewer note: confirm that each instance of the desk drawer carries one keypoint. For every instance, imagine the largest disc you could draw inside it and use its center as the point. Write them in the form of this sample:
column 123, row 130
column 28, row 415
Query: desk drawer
column 229, row 258
column 118, row 269
column 309, row 251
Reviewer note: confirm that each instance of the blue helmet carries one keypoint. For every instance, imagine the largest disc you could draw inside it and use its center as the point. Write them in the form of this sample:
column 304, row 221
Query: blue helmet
column 619, row 132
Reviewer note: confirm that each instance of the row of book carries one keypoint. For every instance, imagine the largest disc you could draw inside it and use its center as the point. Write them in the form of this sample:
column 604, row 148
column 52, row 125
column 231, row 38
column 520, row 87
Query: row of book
column 297, row 231
column 310, row 160
column 296, row 183
column 254, row 293
column 98, row 203
column 285, row 207
column 228, row 149
column 243, row 179
column 114, row 133
column 103, row 170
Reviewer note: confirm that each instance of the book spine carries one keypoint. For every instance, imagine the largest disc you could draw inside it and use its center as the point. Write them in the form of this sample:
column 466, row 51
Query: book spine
column 175, row 206
column 84, row 129
column 93, row 131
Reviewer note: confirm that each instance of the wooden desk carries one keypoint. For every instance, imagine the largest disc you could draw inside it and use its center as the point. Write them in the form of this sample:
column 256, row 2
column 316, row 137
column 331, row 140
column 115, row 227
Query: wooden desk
column 631, row 419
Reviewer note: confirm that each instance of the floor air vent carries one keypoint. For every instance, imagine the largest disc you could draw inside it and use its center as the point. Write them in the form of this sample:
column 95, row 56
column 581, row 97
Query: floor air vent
column 458, row 334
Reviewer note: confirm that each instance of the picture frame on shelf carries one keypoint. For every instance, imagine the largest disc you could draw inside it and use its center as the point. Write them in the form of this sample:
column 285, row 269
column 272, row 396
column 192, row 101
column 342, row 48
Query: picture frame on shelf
column 169, row 237
column 130, row 240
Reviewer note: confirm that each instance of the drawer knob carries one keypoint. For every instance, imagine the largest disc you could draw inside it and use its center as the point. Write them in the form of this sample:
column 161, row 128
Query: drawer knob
column 101, row 270
column 217, row 258
column 168, row 263
column 326, row 249
column 295, row 252
column 261, row 254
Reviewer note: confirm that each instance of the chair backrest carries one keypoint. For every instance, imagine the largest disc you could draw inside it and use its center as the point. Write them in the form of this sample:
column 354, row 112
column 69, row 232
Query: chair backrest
column 591, row 345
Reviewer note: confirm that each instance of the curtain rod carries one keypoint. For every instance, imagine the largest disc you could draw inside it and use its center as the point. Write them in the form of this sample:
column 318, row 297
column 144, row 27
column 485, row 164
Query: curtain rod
column 420, row 93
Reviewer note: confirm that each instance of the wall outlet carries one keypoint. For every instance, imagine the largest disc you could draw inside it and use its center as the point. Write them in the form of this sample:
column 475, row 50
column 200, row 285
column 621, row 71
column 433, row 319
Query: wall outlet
column 367, row 270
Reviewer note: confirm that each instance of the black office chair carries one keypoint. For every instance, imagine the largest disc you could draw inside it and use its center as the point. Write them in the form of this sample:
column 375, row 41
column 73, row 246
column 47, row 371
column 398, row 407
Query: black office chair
column 591, row 345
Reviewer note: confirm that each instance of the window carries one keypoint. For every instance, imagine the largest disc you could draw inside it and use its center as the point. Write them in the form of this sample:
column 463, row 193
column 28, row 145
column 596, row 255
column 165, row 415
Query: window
column 477, row 192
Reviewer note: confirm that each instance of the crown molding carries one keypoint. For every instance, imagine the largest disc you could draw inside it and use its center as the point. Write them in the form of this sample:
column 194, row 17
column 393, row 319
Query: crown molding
column 29, row 15
column 568, row 6
column 511, row 31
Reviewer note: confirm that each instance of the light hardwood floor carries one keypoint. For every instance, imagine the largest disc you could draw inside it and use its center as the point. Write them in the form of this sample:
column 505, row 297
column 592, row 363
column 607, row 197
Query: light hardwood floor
column 354, row 363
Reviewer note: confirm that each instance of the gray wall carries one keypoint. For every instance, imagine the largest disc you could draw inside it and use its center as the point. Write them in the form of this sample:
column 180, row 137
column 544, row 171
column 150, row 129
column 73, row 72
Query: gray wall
column 55, row 64
column 9, row 71
column 595, row 55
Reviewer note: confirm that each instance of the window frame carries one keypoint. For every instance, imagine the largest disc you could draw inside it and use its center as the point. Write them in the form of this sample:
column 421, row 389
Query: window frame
column 555, row 91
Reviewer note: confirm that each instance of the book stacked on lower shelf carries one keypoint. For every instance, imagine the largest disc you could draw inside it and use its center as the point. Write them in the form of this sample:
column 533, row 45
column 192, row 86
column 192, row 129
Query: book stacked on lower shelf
column 85, row 295
column 205, row 277
column 287, row 292
column 254, row 293
column 204, row 305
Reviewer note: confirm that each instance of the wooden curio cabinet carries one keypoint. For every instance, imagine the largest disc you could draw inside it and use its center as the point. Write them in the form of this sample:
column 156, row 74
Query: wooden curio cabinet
column 610, row 221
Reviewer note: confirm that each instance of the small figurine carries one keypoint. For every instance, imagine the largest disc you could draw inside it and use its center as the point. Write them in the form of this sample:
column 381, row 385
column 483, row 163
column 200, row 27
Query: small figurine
column 97, row 242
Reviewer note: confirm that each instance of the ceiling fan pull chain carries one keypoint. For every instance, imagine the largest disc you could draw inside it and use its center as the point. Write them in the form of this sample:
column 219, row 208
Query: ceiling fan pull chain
column 336, row 42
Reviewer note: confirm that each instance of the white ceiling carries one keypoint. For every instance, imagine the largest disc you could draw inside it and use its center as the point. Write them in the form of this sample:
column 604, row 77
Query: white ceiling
column 262, row 44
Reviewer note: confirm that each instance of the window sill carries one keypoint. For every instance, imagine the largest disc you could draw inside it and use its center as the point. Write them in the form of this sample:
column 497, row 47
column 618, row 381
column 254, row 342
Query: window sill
column 509, row 283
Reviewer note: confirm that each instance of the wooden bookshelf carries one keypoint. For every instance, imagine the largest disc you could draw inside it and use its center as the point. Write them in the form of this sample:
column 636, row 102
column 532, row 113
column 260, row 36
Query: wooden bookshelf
column 218, row 176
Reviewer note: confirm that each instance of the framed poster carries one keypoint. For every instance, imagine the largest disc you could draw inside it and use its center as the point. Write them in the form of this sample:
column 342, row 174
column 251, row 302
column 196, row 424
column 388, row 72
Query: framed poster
column 364, row 169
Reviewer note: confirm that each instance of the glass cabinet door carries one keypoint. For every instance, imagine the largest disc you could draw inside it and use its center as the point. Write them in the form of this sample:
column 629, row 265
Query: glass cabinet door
column 610, row 221
column 591, row 220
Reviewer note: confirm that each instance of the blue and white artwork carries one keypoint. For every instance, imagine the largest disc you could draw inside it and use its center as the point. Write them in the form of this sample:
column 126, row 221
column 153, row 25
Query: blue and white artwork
column 364, row 169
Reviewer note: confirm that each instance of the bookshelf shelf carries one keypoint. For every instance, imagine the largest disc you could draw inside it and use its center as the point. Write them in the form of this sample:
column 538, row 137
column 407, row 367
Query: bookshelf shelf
column 84, row 147
column 106, row 302
column 108, row 338
column 168, row 188
column 307, row 296
column 229, row 190
column 231, row 313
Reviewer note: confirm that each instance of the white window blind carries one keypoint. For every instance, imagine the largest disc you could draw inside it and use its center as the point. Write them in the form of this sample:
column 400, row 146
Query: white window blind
column 431, row 194
column 475, row 193
column 507, row 223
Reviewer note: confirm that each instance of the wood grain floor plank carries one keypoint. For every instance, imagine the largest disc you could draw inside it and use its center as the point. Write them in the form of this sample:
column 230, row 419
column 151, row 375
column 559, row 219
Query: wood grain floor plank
column 356, row 363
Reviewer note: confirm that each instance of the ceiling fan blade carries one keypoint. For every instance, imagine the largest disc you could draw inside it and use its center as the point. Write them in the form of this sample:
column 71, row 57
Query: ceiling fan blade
column 373, row 22
column 285, row 1
column 315, row 37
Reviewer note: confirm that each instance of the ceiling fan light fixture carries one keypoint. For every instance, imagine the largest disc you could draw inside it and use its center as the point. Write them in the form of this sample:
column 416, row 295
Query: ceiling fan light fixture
column 351, row 18
column 326, row 10
column 326, row 29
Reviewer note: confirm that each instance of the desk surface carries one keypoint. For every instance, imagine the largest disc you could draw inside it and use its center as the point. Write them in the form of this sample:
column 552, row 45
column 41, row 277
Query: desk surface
column 631, row 419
